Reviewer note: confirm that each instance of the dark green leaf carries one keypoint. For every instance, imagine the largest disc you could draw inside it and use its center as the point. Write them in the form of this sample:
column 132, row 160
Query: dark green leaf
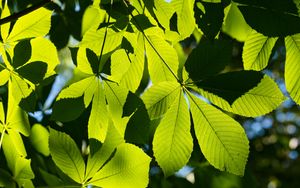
column 173, row 22
column 93, row 60
column 68, row 109
column 231, row 85
column 210, row 20
column 28, row 104
column 272, row 18
column 208, row 58
column 59, row 32
column 74, row 54
column 22, row 53
column 141, row 22
column 138, row 127
column 34, row 71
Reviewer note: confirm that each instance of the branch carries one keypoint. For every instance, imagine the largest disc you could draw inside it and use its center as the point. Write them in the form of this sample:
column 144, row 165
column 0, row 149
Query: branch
column 16, row 16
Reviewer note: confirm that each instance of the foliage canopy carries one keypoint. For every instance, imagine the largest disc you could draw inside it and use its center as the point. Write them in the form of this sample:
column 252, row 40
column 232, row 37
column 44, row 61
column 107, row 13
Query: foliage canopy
column 103, row 54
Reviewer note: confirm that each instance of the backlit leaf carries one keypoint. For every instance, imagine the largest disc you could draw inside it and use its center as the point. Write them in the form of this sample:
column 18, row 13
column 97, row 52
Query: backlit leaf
column 172, row 142
column 66, row 155
column 222, row 140
column 128, row 168
column 257, row 51
column 159, row 98
column 292, row 66
column 259, row 100
column 34, row 24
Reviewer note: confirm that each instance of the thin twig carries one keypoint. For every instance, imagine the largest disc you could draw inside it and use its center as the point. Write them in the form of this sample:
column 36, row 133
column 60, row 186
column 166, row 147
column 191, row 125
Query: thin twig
column 24, row 12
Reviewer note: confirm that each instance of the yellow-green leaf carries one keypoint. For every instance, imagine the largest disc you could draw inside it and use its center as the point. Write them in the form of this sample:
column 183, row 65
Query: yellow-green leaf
column 257, row 51
column 173, row 142
column 222, row 140
column 98, row 121
column 159, row 98
column 260, row 100
column 34, row 24
column 66, row 155
column 292, row 66
column 128, row 168
column 162, row 59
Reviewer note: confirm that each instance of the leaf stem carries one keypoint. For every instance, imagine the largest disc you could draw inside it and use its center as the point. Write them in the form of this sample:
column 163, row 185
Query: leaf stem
column 105, row 34
column 24, row 12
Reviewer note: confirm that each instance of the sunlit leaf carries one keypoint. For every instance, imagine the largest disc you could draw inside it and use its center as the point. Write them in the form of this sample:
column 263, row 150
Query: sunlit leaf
column 173, row 142
column 234, row 24
column 259, row 100
column 98, row 121
column 66, row 155
column 222, row 140
column 159, row 98
column 92, row 17
column 5, row 27
column 162, row 59
column 39, row 138
column 34, row 24
column 97, row 160
column 292, row 66
column 257, row 51
column 128, row 168
column 93, row 39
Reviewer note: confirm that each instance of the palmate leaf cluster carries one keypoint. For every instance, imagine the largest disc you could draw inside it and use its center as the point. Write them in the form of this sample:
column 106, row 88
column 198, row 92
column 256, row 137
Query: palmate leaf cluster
column 120, row 44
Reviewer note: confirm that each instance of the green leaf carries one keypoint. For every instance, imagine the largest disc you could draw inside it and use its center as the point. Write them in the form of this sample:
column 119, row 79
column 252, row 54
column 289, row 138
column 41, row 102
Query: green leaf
column 34, row 71
column 173, row 142
column 22, row 53
column 16, row 119
column 92, row 18
column 231, row 85
column 138, row 127
column 93, row 60
column 208, row 58
column 98, row 121
column 222, row 140
column 162, row 59
column 84, row 87
column 210, row 19
column 34, row 24
column 4, row 75
column 66, row 155
column 292, row 67
column 141, row 22
column 257, row 51
column 43, row 50
column 5, row 27
column 39, row 138
column 234, row 24
column 185, row 17
column 15, row 155
column 163, row 11
column 128, row 168
column 93, row 39
column 50, row 179
column 99, row 158
column 6, row 180
column 21, row 90
column 159, row 98
column 133, row 75
column 116, row 97
column 260, row 16
column 63, row 110
column 259, row 100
